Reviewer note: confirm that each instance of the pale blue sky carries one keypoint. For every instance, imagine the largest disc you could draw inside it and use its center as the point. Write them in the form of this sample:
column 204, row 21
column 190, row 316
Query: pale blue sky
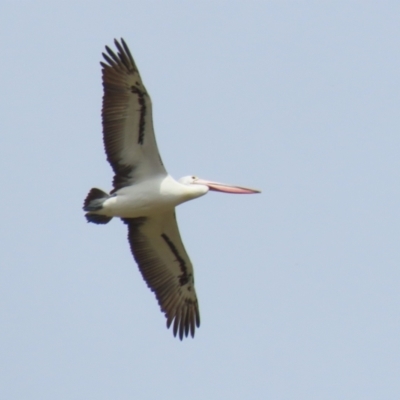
column 298, row 287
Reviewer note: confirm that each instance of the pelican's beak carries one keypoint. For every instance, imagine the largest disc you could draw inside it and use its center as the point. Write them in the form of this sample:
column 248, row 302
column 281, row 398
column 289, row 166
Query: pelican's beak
column 223, row 187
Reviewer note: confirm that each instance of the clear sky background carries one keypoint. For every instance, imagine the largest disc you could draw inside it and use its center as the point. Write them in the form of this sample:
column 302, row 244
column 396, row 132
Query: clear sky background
column 298, row 287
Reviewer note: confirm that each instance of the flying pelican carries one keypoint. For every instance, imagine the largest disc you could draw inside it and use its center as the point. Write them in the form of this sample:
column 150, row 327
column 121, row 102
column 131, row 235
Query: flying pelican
column 144, row 195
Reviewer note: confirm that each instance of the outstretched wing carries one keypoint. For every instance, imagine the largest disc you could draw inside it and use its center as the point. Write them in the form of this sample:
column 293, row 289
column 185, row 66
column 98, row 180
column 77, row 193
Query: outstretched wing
column 165, row 266
column 128, row 133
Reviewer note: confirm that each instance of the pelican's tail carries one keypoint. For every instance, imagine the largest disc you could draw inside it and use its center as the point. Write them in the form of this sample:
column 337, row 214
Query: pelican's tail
column 94, row 202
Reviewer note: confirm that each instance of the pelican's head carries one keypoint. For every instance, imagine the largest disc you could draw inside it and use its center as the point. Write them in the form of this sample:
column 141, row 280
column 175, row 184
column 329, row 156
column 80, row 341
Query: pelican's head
column 215, row 186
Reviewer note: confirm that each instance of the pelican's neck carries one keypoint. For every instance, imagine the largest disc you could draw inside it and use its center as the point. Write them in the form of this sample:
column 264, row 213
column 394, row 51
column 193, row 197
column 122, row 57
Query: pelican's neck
column 182, row 192
column 194, row 191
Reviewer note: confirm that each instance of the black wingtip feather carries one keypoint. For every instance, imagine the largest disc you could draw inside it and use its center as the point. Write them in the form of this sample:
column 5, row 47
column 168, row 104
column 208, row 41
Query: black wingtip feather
column 182, row 325
column 112, row 55
column 127, row 51
column 110, row 62
column 124, row 56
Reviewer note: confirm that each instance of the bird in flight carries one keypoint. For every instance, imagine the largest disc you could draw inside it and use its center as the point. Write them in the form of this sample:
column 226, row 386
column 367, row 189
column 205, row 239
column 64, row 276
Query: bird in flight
column 144, row 195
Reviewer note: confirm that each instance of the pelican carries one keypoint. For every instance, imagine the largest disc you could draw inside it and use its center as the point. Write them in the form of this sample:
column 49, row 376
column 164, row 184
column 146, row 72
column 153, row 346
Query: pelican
column 144, row 195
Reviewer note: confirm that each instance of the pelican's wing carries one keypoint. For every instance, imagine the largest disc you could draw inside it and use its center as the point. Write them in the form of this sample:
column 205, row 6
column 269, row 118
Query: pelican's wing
column 128, row 132
column 165, row 266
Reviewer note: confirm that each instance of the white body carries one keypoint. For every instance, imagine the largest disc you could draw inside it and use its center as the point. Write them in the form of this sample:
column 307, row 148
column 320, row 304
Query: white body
column 152, row 196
